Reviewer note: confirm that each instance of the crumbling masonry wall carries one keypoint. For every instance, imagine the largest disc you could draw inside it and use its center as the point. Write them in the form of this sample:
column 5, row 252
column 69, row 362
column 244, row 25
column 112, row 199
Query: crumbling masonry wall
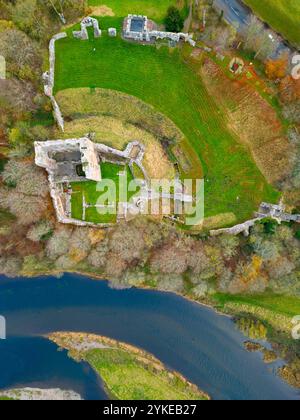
column 86, row 23
column 49, row 78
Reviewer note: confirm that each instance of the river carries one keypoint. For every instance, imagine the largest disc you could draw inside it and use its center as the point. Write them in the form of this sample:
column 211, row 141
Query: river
column 190, row 338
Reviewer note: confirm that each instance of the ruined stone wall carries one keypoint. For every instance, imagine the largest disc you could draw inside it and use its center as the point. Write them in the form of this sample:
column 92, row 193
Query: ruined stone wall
column 236, row 230
column 56, row 193
column 50, row 78
column 86, row 23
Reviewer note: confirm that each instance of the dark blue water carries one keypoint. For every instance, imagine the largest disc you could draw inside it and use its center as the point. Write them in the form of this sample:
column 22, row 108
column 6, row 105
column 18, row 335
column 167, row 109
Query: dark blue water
column 192, row 339
column 35, row 362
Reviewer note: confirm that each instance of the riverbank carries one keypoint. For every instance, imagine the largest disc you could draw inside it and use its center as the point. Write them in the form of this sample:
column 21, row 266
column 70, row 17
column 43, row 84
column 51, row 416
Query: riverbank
column 205, row 347
column 275, row 312
column 129, row 373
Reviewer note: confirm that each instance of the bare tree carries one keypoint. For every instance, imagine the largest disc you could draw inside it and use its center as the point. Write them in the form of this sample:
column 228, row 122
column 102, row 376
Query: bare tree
column 267, row 45
column 59, row 244
column 58, row 8
column 254, row 28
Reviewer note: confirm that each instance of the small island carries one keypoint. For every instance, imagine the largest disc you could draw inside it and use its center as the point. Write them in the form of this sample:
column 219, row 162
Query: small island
column 129, row 373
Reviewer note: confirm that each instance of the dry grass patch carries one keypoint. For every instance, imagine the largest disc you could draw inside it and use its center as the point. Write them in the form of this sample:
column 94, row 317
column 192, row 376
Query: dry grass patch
column 219, row 221
column 253, row 120
column 74, row 102
column 118, row 134
column 215, row 222
column 102, row 11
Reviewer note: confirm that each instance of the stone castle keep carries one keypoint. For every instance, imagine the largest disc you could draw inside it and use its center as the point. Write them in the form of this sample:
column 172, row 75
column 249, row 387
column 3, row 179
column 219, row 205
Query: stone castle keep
column 67, row 160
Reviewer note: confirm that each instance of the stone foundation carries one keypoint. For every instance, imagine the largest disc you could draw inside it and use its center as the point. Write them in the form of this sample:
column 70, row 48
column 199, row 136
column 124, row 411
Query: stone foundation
column 49, row 78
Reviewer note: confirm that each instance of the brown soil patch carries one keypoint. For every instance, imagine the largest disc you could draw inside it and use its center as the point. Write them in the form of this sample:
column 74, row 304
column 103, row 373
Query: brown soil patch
column 102, row 11
column 253, row 120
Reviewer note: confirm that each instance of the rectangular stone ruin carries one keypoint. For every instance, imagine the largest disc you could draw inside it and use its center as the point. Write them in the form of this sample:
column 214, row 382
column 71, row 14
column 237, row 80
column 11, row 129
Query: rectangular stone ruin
column 140, row 28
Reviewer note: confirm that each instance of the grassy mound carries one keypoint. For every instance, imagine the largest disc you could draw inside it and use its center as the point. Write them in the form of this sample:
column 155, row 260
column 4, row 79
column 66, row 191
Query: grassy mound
column 117, row 119
column 162, row 79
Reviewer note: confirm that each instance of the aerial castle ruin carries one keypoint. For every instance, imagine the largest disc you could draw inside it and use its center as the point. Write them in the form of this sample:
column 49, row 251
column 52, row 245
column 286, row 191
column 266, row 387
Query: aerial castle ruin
column 79, row 160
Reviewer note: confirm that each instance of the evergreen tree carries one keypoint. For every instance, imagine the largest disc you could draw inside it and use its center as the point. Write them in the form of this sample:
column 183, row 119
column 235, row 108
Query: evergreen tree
column 174, row 21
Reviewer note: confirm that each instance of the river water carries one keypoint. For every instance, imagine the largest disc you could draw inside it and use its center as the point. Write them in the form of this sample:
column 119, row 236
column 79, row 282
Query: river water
column 196, row 341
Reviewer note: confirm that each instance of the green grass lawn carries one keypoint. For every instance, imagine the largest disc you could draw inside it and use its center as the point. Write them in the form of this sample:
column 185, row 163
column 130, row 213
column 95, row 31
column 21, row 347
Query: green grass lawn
column 276, row 310
column 156, row 9
column 284, row 305
column 90, row 190
column 281, row 15
column 162, row 79
column 129, row 379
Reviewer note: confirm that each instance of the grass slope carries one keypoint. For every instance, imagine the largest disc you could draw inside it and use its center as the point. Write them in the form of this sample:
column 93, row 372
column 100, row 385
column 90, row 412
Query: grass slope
column 161, row 78
column 276, row 310
column 281, row 15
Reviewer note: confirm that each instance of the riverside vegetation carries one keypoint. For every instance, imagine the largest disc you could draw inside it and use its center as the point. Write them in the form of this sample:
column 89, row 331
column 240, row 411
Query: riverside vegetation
column 255, row 278
column 128, row 373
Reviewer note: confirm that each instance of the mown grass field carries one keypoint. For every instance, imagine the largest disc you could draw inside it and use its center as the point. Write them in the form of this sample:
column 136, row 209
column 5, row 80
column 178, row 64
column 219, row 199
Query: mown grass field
column 281, row 15
column 154, row 8
column 92, row 192
column 276, row 310
column 161, row 78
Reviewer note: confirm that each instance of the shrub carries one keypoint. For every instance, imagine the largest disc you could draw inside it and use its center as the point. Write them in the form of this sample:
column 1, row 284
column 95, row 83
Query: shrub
column 115, row 266
column 28, row 209
column 252, row 328
column 229, row 245
column 98, row 256
column 10, row 266
column 171, row 283
column 201, row 290
column 170, row 259
column 80, row 240
column 41, row 231
column 59, row 244
column 26, row 200
column 127, row 242
column 64, row 263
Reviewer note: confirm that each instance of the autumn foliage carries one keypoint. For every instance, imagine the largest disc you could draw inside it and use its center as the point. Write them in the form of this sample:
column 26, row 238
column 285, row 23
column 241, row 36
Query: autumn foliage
column 276, row 69
column 289, row 89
